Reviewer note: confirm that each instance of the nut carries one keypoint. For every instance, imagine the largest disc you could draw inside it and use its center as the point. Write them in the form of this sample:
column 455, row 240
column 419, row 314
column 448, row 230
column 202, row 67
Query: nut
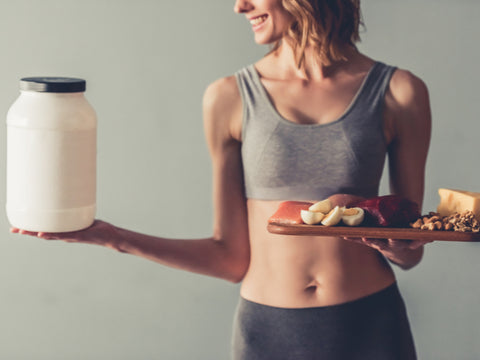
column 417, row 224
column 465, row 222
column 448, row 226
column 428, row 226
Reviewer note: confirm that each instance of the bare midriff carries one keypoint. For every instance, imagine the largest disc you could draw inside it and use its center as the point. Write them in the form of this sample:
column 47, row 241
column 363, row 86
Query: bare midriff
column 308, row 271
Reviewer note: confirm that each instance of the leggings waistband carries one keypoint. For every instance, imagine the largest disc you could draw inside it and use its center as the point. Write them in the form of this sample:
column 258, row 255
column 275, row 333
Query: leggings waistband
column 390, row 292
column 372, row 327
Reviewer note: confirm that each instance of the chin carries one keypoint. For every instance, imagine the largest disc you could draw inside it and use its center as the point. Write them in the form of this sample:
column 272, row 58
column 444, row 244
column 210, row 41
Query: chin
column 264, row 40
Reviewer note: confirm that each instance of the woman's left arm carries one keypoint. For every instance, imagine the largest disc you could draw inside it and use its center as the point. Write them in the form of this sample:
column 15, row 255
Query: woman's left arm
column 407, row 126
column 407, row 119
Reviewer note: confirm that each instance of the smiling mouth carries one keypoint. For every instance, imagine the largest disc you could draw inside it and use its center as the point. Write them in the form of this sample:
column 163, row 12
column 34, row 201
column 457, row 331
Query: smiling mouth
column 258, row 20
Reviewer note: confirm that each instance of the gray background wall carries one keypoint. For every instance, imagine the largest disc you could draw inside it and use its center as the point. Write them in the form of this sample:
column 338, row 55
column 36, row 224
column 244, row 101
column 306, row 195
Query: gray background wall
column 147, row 64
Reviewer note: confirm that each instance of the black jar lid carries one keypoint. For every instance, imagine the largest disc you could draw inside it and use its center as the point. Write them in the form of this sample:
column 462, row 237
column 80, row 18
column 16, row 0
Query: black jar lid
column 53, row 84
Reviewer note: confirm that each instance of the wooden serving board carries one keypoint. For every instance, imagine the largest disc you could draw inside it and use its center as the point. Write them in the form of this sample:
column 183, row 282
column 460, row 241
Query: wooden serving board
column 372, row 232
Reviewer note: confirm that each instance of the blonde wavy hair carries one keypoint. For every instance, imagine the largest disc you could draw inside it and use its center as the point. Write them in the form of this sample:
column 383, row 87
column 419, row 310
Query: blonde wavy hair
column 329, row 26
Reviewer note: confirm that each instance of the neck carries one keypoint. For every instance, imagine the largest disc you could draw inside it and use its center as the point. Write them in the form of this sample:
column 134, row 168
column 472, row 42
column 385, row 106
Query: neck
column 311, row 68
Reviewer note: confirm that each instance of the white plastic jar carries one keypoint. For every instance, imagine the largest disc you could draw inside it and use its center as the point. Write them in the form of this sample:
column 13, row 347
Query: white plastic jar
column 51, row 156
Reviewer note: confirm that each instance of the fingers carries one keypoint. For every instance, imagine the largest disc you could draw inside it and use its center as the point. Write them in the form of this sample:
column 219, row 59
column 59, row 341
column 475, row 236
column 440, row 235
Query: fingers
column 378, row 244
column 384, row 244
column 357, row 240
column 408, row 244
column 85, row 235
column 15, row 230
column 363, row 240
column 26, row 232
column 43, row 235
column 398, row 244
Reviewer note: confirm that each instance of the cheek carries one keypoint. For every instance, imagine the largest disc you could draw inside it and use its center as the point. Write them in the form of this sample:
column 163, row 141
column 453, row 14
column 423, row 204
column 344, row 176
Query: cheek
column 284, row 20
column 282, row 12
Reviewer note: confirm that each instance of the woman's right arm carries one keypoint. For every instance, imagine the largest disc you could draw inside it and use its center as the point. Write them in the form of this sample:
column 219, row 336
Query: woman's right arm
column 226, row 254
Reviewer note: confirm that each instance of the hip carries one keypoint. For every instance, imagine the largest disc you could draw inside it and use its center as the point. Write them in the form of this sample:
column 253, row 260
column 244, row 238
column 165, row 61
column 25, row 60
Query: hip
column 372, row 327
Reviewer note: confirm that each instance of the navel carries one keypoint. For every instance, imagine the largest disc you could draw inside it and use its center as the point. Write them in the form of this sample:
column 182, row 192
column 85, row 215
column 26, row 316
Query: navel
column 312, row 287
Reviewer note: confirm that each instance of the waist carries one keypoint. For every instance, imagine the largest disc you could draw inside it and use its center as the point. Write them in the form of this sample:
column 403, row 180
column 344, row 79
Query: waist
column 372, row 300
column 290, row 271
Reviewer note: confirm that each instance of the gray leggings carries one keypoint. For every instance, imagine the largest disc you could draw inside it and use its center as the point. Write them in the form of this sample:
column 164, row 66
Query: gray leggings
column 371, row 328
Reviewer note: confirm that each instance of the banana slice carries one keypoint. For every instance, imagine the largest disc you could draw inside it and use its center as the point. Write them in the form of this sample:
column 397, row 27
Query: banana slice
column 333, row 217
column 353, row 216
column 323, row 206
column 311, row 217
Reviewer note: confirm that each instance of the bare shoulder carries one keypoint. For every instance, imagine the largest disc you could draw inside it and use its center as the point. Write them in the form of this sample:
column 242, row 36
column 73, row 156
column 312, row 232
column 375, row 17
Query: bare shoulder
column 222, row 92
column 407, row 89
column 222, row 107
column 407, row 106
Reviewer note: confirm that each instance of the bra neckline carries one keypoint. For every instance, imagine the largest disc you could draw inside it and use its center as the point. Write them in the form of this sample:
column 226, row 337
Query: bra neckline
column 348, row 109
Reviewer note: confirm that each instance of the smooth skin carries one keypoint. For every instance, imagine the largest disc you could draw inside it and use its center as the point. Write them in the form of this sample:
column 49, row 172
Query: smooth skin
column 289, row 271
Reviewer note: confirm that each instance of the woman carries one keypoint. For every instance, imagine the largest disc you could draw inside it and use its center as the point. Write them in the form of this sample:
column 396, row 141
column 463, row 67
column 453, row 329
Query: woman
column 312, row 119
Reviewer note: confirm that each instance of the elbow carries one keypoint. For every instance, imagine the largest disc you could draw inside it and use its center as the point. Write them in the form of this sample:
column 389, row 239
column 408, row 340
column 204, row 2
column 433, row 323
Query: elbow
column 232, row 260
column 237, row 267
column 237, row 277
column 237, row 272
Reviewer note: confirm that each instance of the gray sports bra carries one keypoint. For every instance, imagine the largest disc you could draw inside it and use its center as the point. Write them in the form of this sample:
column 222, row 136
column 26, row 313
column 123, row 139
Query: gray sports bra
column 283, row 160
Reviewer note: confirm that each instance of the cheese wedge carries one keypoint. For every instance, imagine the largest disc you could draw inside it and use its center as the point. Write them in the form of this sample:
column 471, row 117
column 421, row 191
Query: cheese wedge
column 452, row 201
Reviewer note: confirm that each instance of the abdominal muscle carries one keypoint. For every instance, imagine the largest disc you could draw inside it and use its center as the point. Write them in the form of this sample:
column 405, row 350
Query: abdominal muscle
column 308, row 271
